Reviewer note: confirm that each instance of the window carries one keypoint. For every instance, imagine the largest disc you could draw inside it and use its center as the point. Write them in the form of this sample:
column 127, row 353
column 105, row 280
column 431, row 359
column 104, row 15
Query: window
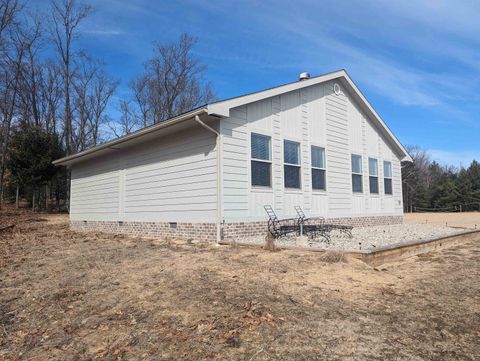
column 387, row 177
column 291, row 167
column 373, row 175
column 318, row 168
column 357, row 181
column 261, row 160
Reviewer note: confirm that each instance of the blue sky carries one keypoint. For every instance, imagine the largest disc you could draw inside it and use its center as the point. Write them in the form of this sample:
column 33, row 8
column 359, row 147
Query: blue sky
column 418, row 62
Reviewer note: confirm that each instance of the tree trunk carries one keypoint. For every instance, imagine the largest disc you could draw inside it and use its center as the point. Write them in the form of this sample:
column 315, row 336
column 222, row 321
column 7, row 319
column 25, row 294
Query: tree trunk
column 33, row 199
column 46, row 197
column 16, row 197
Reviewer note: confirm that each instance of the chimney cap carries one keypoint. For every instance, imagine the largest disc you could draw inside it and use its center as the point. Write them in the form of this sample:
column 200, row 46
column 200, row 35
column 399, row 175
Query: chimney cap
column 303, row 76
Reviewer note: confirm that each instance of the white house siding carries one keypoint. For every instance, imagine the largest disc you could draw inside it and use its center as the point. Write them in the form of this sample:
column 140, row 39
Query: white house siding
column 95, row 190
column 311, row 116
column 171, row 179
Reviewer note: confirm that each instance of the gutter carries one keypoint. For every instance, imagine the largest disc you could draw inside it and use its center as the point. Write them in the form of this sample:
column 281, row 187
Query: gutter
column 219, row 176
column 144, row 131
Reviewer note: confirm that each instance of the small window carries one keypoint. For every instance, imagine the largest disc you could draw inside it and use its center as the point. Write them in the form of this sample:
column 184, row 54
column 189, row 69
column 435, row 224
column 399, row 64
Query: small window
column 261, row 160
column 387, row 177
column 318, row 168
column 357, row 178
column 373, row 175
column 291, row 167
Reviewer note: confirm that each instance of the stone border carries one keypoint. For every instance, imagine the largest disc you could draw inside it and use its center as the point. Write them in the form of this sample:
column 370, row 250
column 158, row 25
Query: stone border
column 386, row 254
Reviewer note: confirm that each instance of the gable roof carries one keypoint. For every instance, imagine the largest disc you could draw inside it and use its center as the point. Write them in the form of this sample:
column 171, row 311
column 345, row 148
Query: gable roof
column 222, row 109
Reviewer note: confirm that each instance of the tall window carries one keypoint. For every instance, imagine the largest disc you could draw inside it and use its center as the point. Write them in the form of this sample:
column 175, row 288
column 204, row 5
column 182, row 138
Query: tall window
column 318, row 168
column 261, row 160
column 387, row 177
column 291, row 167
column 373, row 175
column 357, row 178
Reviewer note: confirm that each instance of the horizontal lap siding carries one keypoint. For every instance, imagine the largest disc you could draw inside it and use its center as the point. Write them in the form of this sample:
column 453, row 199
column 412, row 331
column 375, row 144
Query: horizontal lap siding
column 171, row 179
column 95, row 190
column 235, row 158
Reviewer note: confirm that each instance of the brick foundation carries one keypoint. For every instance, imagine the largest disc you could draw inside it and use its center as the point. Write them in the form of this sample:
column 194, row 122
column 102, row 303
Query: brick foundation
column 207, row 231
column 196, row 231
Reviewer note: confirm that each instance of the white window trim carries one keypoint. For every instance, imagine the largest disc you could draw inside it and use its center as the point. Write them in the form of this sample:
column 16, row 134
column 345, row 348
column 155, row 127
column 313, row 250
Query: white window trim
column 324, row 167
column 360, row 174
column 376, row 176
column 391, row 177
column 256, row 187
column 299, row 165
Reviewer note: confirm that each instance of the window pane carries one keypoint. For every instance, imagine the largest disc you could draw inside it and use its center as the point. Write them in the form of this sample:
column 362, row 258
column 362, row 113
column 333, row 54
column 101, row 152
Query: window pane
column 357, row 184
column 372, row 166
column 318, row 157
column 387, row 169
column 356, row 164
column 388, row 186
column 292, row 176
column 291, row 152
column 261, row 174
column 373, row 184
column 260, row 147
column 318, row 179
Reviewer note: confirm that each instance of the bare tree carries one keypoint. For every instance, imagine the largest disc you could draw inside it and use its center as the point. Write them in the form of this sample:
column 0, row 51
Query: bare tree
column 103, row 88
column 416, row 177
column 11, row 76
column 29, row 91
column 84, row 77
column 66, row 17
column 128, row 121
column 51, row 91
column 93, row 90
column 143, row 99
column 172, row 82
column 9, row 10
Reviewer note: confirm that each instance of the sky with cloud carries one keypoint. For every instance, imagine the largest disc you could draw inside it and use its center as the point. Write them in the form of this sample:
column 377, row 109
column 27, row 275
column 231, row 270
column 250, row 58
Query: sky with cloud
column 418, row 62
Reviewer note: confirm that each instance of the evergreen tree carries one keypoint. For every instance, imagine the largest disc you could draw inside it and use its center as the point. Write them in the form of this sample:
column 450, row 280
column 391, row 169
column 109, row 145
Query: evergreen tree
column 32, row 151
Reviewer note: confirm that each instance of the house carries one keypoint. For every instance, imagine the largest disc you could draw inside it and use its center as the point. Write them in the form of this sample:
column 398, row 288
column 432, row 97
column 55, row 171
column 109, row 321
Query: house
column 207, row 174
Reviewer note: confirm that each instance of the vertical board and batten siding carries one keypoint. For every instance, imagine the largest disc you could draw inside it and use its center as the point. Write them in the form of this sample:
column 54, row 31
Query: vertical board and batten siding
column 171, row 179
column 338, row 153
column 312, row 116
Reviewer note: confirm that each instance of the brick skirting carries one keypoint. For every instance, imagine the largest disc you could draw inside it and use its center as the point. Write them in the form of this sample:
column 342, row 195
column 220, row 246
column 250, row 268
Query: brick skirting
column 207, row 231
column 194, row 231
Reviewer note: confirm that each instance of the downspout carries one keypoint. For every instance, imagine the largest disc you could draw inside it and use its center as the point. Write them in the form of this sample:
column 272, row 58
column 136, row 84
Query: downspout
column 219, row 176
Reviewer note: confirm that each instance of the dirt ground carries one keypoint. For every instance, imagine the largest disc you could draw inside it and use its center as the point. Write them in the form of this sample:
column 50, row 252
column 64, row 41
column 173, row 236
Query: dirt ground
column 72, row 296
column 452, row 219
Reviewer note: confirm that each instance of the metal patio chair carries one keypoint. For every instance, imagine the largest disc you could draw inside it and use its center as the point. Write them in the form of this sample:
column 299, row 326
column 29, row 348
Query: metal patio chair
column 280, row 227
column 309, row 226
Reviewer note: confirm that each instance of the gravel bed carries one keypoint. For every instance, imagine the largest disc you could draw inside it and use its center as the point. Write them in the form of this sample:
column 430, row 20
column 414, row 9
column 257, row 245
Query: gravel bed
column 367, row 238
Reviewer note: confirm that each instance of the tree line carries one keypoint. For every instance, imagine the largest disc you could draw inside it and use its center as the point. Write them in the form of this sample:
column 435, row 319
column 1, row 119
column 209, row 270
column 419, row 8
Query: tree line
column 56, row 99
column 429, row 186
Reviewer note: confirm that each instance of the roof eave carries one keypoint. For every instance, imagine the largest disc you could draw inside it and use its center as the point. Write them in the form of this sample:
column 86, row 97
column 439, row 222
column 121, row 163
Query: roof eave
column 66, row 161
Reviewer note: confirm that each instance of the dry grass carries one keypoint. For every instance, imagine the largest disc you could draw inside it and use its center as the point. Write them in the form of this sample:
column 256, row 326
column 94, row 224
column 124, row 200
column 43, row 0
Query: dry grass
column 457, row 219
column 71, row 296
column 333, row 257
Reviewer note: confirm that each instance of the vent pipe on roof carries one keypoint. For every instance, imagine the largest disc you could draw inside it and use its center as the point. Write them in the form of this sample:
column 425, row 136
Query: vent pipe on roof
column 304, row 76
